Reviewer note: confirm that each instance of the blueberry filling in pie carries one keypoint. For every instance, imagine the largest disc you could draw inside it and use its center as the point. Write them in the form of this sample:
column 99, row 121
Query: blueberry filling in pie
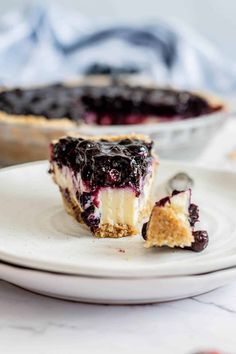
column 105, row 105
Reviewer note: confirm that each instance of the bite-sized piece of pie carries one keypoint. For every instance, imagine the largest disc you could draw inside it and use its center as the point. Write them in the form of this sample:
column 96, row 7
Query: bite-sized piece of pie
column 105, row 182
column 172, row 223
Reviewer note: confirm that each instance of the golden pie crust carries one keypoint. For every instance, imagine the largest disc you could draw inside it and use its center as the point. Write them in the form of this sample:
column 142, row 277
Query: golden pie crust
column 165, row 229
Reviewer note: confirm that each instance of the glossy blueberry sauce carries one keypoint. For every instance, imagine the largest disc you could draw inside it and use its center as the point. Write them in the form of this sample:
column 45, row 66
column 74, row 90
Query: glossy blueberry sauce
column 122, row 163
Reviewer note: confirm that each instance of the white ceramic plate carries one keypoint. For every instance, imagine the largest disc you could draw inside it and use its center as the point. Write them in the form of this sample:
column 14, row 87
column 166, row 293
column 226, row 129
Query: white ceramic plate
column 36, row 232
column 114, row 291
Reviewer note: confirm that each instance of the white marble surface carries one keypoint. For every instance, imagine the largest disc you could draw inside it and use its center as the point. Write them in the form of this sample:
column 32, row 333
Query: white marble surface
column 34, row 324
column 31, row 323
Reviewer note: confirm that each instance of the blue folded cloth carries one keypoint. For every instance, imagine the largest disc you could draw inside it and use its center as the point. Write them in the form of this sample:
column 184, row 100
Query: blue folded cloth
column 49, row 44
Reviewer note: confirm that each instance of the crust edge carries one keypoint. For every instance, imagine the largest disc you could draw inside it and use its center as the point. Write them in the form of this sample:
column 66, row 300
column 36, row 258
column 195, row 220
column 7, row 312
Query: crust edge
column 165, row 229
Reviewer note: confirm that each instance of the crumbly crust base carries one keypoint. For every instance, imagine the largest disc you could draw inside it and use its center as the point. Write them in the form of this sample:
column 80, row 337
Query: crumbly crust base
column 72, row 208
column 115, row 231
column 26, row 139
column 165, row 229
column 35, row 120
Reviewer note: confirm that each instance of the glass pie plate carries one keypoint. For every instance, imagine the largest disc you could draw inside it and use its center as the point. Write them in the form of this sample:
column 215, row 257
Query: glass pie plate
column 28, row 140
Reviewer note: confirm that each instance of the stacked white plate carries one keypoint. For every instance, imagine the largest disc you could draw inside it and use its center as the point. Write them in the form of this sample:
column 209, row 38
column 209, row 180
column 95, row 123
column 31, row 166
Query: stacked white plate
column 45, row 250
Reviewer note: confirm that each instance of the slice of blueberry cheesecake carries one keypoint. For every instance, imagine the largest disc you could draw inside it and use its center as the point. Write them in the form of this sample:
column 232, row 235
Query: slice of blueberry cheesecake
column 105, row 182
column 172, row 223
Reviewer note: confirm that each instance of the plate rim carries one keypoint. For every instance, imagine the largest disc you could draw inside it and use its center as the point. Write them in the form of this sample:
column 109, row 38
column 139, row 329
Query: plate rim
column 37, row 281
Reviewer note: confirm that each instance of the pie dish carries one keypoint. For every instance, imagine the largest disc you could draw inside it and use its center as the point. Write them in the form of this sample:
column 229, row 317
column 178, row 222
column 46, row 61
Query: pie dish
column 31, row 118
column 172, row 223
column 105, row 182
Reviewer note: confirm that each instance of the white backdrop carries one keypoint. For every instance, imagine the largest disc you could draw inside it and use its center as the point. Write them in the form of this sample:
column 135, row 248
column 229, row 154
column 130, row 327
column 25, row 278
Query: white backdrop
column 214, row 19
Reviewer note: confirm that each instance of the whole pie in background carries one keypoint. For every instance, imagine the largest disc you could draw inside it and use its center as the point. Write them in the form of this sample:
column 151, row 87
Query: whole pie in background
column 30, row 118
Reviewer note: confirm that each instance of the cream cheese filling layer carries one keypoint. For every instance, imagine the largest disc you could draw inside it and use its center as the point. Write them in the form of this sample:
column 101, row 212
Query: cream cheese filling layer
column 115, row 205
column 180, row 204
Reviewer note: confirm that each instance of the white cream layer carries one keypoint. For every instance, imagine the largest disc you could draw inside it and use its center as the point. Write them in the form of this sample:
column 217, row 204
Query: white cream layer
column 180, row 202
column 115, row 205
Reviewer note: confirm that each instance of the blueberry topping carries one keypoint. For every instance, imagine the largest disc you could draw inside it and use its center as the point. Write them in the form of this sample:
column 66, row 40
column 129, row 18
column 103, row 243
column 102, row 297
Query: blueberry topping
column 105, row 163
column 86, row 173
column 114, row 175
column 201, row 240
column 104, row 105
column 125, row 142
column 86, row 144
column 64, row 152
column 175, row 192
column 139, row 150
column 162, row 202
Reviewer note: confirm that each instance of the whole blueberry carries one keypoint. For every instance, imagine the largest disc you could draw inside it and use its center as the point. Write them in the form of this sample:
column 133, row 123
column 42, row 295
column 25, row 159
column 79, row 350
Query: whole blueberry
column 86, row 144
column 193, row 214
column 89, row 217
column 201, row 240
column 113, row 176
column 85, row 200
column 138, row 149
column 125, row 142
